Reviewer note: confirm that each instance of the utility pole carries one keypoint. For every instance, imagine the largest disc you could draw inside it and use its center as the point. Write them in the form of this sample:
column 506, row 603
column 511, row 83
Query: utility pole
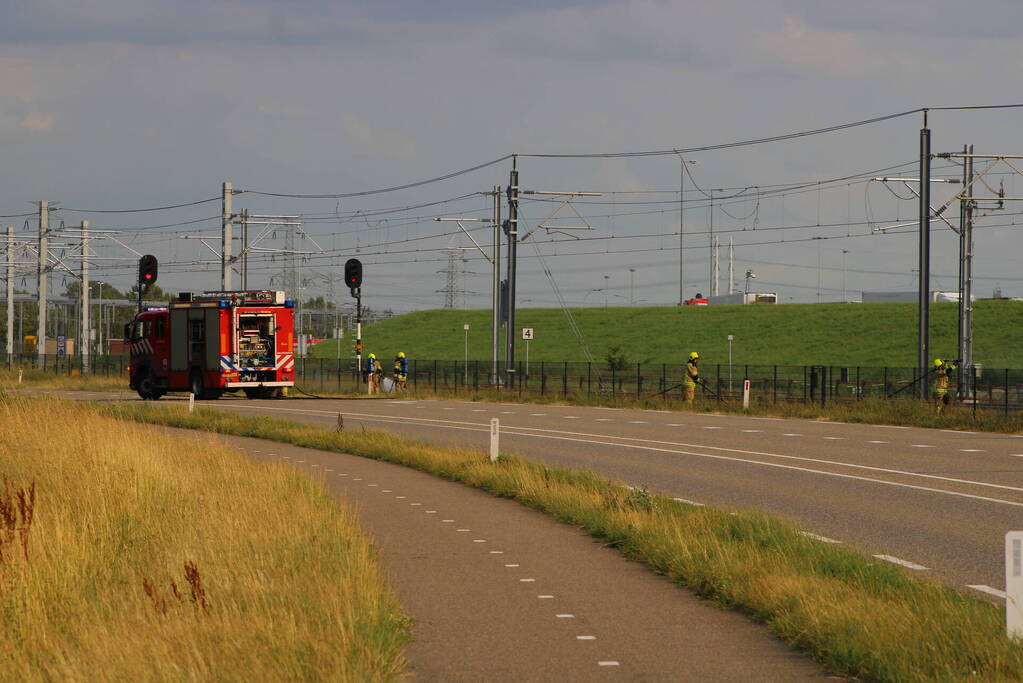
column 495, row 302
column 227, row 238
column 511, row 229
column 41, row 279
column 731, row 266
column 714, row 265
column 713, row 251
column 681, row 228
column 632, row 295
column 923, row 331
column 245, row 250
column 966, row 208
column 10, row 294
column 83, row 343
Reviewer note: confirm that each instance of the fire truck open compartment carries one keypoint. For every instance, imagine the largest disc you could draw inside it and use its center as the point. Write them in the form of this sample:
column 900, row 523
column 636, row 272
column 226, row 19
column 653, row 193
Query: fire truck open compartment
column 257, row 340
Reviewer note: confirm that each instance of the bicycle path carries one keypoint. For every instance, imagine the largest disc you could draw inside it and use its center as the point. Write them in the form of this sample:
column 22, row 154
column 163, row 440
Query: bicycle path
column 499, row 592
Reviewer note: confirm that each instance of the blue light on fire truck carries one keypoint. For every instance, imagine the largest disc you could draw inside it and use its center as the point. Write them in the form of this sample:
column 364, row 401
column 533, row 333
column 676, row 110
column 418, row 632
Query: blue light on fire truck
column 289, row 303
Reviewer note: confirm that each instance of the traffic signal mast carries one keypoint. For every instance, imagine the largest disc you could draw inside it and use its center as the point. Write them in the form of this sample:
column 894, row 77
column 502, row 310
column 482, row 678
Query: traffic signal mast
column 148, row 267
column 353, row 278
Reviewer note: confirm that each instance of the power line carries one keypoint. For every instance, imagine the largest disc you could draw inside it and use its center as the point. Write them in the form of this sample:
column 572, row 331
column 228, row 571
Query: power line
column 155, row 208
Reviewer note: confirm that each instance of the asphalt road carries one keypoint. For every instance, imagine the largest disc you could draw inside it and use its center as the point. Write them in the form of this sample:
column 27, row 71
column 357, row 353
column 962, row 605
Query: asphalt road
column 937, row 502
column 499, row 592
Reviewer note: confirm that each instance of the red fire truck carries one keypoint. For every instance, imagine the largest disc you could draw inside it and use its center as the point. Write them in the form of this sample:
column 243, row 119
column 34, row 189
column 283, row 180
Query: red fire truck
column 214, row 342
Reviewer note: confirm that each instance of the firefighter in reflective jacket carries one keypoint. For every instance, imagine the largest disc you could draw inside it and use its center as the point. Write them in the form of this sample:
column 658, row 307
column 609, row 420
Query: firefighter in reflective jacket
column 373, row 374
column 692, row 377
column 400, row 371
column 942, row 373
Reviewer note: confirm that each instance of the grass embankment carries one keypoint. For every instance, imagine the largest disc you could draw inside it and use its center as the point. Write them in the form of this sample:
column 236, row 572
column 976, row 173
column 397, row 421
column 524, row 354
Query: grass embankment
column 38, row 379
column 855, row 615
column 131, row 554
column 881, row 334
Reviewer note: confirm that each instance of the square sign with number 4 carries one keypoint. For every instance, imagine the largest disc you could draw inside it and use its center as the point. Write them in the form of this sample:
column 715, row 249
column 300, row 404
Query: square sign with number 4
column 527, row 333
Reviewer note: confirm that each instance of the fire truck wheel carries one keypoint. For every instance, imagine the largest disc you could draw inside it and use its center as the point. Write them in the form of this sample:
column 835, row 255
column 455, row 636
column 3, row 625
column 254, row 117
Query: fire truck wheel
column 147, row 386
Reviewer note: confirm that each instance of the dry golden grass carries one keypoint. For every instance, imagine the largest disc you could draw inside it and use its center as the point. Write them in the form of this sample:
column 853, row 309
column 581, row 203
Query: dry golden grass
column 37, row 379
column 153, row 556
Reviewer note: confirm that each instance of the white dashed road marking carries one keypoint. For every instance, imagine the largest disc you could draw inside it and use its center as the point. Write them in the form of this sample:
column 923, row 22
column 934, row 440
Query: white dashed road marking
column 922, row 445
column 791, row 434
column 971, row 450
column 904, row 563
column 835, row 438
column 817, row 537
column 570, row 417
column 752, row 431
column 527, row 580
column 586, row 637
column 879, row 442
column 712, row 427
column 608, row 662
column 545, row 597
column 638, row 422
column 565, row 616
column 989, row 590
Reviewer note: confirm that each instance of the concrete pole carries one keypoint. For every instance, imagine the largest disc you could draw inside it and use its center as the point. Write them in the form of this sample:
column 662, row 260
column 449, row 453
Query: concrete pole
column 86, row 337
column 731, row 265
column 228, row 238
column 10, row 294
column 715, row 276
column 41, row 280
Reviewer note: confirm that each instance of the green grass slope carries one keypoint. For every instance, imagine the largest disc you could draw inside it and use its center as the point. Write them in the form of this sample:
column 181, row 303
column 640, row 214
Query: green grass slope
column 789, row 334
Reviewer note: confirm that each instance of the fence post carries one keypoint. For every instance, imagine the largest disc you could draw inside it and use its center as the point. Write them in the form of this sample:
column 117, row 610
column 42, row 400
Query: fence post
column 589, row 379
column 664, row 381
column 435, row 376
column 476, row 376
column 973, row 372
column 614, row 383
column 1006, row 392
column 564, row 381
column 775, row 384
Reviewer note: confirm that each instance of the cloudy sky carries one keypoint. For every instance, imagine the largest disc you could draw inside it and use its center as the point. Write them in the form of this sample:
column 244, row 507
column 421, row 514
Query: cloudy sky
column 118, row 104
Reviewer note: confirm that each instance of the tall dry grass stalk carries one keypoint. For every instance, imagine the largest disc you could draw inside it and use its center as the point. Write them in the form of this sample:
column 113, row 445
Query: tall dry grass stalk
column 133, row 554
column 856, row 615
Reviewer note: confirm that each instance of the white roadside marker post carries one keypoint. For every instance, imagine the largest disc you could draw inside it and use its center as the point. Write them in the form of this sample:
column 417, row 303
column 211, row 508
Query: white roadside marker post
column 191, row 402
column 745, row 394
column 1014, row 584
column 20, row 373
column 494, row 438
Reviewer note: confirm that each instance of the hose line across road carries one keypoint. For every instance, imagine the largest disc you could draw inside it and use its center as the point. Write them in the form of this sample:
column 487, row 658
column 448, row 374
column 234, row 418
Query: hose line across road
column 937, row 502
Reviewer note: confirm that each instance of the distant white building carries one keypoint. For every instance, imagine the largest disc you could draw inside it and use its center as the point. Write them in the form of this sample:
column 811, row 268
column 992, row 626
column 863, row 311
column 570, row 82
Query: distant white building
column 908, row 297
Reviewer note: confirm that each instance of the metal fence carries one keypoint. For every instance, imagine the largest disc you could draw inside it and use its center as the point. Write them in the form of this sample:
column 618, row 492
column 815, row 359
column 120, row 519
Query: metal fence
column 106, row 365
column 987, row 388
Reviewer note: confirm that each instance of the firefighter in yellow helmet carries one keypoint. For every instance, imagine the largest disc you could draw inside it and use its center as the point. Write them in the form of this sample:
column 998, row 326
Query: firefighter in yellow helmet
column 942, row 374
column 373, row 374
column 692, row 377
column 400, row 371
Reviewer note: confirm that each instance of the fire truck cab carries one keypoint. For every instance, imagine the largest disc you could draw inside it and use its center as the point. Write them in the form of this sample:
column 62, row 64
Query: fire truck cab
column 212, row 343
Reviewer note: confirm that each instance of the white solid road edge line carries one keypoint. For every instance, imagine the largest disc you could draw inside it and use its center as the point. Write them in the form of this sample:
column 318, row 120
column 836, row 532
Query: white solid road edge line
column 904, row 563
column 989, row 590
